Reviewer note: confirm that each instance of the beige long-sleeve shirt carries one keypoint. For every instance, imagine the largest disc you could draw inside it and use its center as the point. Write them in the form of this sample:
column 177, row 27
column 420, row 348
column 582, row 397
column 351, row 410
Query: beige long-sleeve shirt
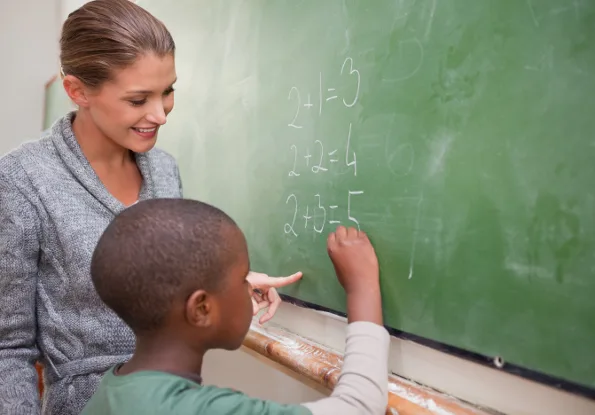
column 363, row 387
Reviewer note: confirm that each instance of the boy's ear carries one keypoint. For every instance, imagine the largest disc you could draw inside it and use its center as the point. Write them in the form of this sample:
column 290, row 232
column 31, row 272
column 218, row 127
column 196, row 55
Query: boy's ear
column 76, row 90
column 199, row 309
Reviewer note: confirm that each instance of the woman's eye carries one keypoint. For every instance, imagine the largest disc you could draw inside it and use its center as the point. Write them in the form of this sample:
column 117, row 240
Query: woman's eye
column 138, row 103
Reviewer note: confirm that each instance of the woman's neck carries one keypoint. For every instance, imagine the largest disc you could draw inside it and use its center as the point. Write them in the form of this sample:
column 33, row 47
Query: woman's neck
column 96, row 147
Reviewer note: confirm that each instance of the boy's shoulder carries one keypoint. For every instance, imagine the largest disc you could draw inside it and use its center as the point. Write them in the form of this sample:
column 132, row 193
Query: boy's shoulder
column 153, row 393
column 219, row 401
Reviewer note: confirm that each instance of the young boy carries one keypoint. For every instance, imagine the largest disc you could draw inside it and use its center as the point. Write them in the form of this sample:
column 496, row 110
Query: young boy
column 174, row 270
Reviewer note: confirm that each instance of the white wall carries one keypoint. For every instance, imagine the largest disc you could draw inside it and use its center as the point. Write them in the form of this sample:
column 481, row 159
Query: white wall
column 67, row 6
column 29, row 33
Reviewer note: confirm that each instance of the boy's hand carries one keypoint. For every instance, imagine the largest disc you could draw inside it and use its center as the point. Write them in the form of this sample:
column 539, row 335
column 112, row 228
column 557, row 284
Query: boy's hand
column 356, row 266
column 354, row 259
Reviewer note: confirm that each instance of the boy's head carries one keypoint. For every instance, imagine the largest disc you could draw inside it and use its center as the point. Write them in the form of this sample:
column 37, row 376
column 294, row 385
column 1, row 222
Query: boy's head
column 177, row 268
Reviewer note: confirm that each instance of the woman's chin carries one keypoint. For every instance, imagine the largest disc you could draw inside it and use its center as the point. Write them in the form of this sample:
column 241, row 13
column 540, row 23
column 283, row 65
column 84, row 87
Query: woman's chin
column 142, row 146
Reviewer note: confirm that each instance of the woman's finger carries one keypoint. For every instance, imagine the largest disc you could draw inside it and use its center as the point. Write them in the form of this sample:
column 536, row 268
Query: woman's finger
column 277, row 282
column 274, row 302
column 262, row 304
column 263, row 281
column 255, row 308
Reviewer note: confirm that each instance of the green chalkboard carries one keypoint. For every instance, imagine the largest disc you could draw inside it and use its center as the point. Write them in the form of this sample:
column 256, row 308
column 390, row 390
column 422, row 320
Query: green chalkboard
column 459, row 134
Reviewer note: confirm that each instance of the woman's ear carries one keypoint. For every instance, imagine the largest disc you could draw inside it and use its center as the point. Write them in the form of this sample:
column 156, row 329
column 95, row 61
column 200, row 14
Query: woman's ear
column 76, row 90
column 200, row 309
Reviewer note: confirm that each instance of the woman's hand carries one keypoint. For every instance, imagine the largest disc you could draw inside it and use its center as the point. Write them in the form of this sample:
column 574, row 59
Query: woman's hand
column 264, row 293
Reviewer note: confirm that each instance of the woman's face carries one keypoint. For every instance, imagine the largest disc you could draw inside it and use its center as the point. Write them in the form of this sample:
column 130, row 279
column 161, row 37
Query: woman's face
column 130, row 108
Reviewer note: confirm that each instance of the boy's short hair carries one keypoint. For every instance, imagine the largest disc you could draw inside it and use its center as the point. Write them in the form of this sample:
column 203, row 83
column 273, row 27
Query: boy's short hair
column 159, row 251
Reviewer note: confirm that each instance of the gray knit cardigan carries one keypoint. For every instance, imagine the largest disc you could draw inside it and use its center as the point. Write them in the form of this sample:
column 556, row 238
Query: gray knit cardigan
column 53, row 209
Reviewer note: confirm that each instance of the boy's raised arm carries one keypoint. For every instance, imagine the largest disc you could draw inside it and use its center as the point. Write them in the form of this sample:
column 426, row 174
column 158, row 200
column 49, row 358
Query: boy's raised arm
column 362, row 388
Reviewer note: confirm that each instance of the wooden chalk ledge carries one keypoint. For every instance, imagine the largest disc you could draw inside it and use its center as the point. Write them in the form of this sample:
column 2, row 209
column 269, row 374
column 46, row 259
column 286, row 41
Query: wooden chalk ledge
column 322, row 366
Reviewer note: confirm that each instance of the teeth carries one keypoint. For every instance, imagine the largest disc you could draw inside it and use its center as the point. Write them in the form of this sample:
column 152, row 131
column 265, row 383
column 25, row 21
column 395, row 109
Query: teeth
column 145, row 130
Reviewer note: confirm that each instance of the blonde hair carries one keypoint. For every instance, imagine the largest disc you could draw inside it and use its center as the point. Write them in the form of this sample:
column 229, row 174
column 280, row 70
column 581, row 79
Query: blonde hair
column 105, row 35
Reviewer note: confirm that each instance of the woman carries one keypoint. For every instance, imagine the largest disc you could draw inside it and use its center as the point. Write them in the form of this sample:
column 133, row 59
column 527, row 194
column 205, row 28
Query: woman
column 59, row 193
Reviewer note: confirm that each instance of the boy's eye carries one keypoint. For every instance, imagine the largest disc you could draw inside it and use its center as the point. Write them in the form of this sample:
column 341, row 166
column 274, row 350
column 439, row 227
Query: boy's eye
column 138, row 103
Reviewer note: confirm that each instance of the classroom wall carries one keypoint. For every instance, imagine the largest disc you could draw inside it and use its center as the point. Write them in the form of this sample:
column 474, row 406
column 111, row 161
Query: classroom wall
column 29, row 30
column 67, row 6
column 29, row 51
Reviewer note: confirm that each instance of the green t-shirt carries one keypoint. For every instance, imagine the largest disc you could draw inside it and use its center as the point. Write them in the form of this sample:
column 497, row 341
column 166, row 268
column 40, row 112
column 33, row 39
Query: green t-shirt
column 153, row 393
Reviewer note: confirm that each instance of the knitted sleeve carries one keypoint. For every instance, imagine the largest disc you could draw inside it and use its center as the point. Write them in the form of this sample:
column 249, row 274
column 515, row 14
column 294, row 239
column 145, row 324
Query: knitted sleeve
column 19, row 251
